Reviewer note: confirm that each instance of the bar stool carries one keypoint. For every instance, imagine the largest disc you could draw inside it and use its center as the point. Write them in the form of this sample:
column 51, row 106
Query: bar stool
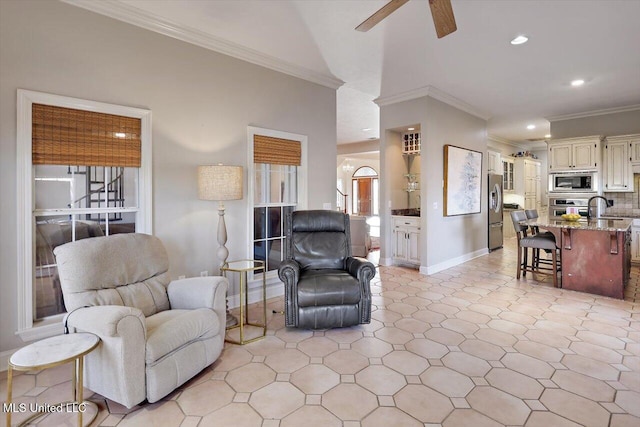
column 533, row 214
column 535, row 242
column 535, row 230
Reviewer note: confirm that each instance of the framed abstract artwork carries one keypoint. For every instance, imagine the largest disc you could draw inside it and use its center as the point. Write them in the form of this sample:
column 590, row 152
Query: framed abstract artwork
column 462, row 181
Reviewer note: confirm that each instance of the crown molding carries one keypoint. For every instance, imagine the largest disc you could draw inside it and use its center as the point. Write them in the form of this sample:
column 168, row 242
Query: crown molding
column 435, row 93
column 493, row 139
column 594, row 113
column 149, row 21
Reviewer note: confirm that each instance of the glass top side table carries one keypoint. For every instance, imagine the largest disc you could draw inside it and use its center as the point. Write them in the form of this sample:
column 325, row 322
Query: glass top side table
column 243, row 267
column 49, row 353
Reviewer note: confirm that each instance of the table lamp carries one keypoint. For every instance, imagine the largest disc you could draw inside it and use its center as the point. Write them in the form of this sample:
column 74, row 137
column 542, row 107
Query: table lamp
column 219, row 183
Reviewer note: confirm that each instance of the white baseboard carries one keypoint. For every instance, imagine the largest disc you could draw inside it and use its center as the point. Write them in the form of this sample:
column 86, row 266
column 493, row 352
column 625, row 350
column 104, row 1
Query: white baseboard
column 433, row 269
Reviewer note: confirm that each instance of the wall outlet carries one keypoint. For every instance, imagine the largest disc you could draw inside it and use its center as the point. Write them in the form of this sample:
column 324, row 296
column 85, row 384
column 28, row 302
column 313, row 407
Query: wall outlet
column 182, row 277
column 435, row 205
column 326, row 206
column 610, row 202
column 204, row 273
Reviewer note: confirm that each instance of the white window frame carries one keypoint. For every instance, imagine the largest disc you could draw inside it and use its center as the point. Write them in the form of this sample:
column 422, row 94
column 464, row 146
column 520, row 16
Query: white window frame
column 272, row 277
column 28, row 329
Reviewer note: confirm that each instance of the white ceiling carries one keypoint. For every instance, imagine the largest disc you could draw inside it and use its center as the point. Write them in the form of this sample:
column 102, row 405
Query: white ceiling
column 597, row 41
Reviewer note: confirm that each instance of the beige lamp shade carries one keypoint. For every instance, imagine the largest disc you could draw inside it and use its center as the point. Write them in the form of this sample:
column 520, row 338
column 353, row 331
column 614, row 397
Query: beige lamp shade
column 219, row 182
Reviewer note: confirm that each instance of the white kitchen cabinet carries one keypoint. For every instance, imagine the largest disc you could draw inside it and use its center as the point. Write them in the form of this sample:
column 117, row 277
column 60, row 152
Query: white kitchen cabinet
column 618, row 176
column 507, row 175
column 406, row 239
column 526, row 181
column 633, row 144
column 574, row 153
column 635, row 149
column 494, row 163
column 507, row 225
column 539, row 187
column 635, row 241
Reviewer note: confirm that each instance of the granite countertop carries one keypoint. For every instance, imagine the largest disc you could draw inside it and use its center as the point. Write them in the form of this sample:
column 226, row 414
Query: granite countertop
column 599, row 224
column 405, row 212
column 621, row 213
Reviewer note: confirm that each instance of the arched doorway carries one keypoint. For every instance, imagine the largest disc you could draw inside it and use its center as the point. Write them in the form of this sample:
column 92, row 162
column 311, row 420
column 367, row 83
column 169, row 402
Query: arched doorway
column 365, row 190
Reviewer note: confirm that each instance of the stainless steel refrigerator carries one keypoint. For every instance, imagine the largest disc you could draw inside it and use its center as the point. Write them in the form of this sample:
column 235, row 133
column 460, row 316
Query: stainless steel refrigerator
column 495, row 211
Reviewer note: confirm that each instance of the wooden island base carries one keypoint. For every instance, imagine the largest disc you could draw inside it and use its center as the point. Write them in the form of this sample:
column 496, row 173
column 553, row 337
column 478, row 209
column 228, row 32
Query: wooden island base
column 595, row 254
column 595, row 261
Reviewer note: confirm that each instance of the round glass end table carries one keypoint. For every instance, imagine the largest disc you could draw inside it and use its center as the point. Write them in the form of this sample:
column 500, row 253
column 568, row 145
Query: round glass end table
column 49, row 353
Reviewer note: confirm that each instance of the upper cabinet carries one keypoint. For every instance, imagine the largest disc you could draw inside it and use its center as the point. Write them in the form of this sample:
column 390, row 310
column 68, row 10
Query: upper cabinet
column 507, row 174
column 494, row 163
column 620, row 152
column 574, row 154
column 634, row 147
column 526, row 179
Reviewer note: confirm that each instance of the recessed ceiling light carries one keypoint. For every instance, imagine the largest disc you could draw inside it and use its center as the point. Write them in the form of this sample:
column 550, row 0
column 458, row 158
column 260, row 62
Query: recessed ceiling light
column 411, row 128
column 120, row 134
column 531, row 127
column 548, row 135
column 520, row 40
column 366, row 129
column 578, row 82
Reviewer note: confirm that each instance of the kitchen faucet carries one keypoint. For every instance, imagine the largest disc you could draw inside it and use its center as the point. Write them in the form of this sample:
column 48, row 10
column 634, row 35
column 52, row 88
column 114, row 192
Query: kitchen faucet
column 589, row 204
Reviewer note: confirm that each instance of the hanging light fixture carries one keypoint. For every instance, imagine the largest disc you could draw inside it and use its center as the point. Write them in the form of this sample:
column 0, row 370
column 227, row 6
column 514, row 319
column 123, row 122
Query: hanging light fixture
column 347, row 167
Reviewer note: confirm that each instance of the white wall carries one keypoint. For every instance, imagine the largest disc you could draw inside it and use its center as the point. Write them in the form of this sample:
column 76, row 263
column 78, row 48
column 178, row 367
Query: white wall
column 451, row 240
column 622, row 123
column 202, row 103
column 446, row 241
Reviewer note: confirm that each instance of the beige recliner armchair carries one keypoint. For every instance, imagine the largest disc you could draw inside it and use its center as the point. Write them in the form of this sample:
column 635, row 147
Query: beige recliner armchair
column 156, row 334
column 360, row 237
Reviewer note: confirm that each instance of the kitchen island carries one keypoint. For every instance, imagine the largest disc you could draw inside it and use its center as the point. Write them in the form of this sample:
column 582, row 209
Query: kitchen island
column 595, row 254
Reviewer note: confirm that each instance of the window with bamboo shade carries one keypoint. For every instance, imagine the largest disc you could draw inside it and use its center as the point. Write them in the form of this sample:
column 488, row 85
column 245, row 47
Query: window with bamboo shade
column 66, row 136
column 84, row 169
column 277, row 165
column 276, row 151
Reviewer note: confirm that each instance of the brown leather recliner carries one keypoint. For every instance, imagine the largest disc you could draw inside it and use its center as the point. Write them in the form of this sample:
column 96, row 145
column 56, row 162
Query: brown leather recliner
column 325, row 287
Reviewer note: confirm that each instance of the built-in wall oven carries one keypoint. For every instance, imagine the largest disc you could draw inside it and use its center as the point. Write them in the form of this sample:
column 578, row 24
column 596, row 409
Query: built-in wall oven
column 578, row 203
column 573, row 182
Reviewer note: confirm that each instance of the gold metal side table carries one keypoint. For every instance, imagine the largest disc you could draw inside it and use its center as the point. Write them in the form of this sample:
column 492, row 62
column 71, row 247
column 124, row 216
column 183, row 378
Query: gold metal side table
column 49, row 353
column 243, row 267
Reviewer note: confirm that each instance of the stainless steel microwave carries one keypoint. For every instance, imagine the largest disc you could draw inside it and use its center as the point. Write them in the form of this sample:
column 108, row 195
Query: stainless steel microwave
column 573, row 182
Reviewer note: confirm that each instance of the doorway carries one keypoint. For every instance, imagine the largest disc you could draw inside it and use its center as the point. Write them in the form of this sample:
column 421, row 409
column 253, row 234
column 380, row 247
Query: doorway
column 362, row 187
column 365, row 191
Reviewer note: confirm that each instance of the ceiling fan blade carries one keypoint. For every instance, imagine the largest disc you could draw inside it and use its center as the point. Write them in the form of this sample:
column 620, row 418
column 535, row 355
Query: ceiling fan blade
column 382, row 13
column 443, row 18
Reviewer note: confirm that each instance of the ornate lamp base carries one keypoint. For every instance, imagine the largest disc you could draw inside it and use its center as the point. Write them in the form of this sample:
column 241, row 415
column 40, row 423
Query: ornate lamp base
column 223, row 253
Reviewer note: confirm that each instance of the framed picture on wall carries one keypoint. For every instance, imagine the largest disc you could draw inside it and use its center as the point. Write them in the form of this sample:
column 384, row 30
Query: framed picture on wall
column 462, row 180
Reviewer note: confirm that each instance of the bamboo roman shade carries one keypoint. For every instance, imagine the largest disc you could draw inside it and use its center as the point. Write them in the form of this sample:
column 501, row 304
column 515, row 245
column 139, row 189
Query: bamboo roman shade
column 65, row 136
column 276, row 151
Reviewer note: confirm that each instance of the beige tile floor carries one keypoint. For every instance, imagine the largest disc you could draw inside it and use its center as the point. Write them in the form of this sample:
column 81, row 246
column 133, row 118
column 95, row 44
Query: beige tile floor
column 470, row 346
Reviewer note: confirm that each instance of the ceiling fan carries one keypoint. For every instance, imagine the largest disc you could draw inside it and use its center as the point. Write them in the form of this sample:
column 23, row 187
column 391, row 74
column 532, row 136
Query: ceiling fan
column 441, row 12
